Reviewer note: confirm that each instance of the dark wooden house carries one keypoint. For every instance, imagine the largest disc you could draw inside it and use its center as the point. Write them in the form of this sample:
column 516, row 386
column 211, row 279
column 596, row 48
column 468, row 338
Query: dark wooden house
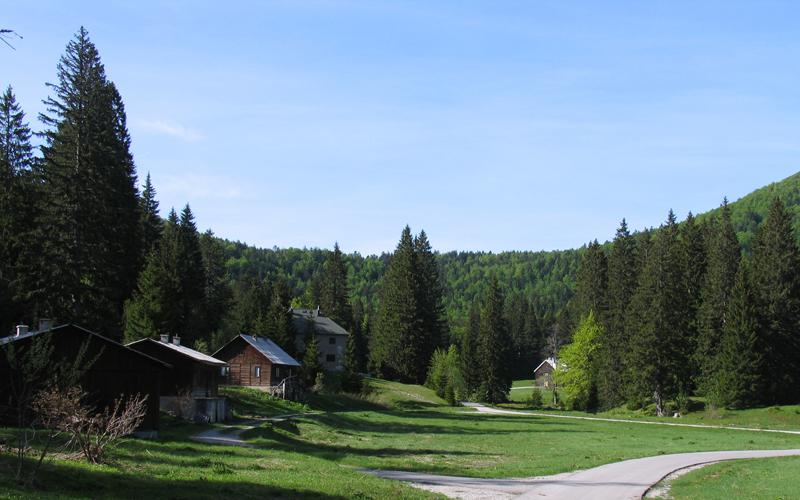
column 256, row 362
column 190, row 388
column 330, row 336
column 543, row 374
column 116, row 371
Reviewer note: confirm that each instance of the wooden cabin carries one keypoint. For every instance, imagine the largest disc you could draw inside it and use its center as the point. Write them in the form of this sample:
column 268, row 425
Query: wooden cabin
column 116, row 370
column 190, row 388
column 543, row 374
column 256, row 362
column 331, row 337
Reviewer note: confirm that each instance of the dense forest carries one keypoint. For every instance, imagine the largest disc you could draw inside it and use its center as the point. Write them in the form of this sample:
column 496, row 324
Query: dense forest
column 80, row 242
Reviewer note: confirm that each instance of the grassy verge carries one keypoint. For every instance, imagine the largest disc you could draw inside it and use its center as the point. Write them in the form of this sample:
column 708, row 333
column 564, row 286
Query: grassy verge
column 777, row 478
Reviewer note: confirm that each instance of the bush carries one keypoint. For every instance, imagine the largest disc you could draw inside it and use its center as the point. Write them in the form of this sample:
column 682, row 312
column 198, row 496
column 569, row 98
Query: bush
column 535, row 400
column 444, row 375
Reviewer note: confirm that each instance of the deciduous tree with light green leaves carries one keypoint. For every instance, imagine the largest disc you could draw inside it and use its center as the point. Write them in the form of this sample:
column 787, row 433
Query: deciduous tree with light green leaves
column 576, row 370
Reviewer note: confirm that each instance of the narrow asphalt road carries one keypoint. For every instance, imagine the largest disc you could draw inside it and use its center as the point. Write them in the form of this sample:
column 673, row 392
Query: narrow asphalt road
column 629, row 479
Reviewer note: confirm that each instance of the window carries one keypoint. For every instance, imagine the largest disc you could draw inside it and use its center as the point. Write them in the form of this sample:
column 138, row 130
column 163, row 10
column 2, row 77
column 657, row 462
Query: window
column 258, row 372
column 330, row 358
column 331, row 340
column 224, row 371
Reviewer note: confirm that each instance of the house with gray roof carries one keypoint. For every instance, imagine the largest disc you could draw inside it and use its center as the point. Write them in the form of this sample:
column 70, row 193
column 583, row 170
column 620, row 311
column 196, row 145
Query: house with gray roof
column 331, row 338
column 256, row 361
column 190, row 388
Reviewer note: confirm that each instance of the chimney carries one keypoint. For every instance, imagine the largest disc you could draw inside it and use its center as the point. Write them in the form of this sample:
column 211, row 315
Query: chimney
column 21, row 330
column 45, row 324
column 176, row 340
column 165, row 339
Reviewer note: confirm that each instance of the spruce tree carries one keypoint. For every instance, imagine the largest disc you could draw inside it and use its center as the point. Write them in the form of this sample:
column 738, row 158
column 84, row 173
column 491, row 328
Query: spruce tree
column 722, row 263
column 190, row 271
column 737, row 377
column 394, row 353
column 16, row 159
column 591, row 282
column 430, row 309
column 280, row 316
column 776, row 289
column 471, row 365
column 217, row 294
column 334, row 292
column 90, row 256
column 693, row 240
column 494, row 347
column 156, row 307
column 658, row 322
column 351, row 380
column 612, row 358
column 358, row 336
column 151, row 224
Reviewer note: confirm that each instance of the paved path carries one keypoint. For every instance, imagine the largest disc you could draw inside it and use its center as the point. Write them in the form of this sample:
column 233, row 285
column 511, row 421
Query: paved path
column 629, row 479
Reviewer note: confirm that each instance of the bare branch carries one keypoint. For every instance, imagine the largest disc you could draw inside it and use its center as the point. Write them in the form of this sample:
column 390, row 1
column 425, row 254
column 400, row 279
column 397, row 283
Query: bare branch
column 6, row 34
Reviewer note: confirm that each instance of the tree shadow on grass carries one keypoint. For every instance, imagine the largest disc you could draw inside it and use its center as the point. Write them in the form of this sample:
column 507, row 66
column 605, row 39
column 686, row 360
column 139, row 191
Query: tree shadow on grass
column 58, row 480
column 418, row 422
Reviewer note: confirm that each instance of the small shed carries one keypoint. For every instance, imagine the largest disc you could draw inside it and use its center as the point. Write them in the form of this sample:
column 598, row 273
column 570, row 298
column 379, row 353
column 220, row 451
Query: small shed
column 116, row 372
column 190, row 388
column 543, row 374
column 331, row 337
column 256, row 362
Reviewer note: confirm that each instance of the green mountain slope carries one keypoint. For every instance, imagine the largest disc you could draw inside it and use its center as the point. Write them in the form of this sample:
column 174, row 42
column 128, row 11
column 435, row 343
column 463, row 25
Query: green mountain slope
column 750, row 210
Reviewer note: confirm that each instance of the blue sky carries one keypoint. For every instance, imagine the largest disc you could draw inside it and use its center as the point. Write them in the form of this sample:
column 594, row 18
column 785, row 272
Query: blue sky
column 492, row 125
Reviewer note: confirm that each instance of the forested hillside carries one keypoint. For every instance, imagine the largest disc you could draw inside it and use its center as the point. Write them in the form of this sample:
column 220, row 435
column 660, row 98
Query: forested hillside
column 749, row 212
column 546, row 278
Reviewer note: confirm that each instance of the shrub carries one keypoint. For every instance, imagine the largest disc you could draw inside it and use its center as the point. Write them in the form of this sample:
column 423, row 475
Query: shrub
column 535, row 400
column 444, row 375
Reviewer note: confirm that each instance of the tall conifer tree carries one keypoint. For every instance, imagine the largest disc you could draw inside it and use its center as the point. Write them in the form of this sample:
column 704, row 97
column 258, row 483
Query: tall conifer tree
column 737, row 379
column 16, row 159
column 612, row 355
column 393, row 353
column 776, row 288
column 591, row 283
column 335, row 293
column 494, row 347
column 91, row 252
column 658, row 322
column 722, row 264
column 430, row 309
column 151, row 224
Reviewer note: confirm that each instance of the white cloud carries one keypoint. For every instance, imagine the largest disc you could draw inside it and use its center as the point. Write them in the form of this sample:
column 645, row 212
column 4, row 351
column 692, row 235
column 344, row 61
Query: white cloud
column 170, row 129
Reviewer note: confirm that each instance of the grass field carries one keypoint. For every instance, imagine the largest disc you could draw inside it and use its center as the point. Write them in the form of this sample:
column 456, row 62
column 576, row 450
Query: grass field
column 394, row 426
column 775, row 478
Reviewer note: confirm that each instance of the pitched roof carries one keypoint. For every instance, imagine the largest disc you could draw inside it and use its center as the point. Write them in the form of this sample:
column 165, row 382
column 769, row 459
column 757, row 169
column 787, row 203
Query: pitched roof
column 303, row 318
column 268, row 348
column 66, row 326
column 549, row 361
column 185, row 351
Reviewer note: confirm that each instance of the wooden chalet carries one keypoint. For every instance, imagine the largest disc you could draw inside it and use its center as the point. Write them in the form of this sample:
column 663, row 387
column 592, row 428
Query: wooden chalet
column 190, row 387
column 116, row 371
column 543, row 374
column 331, row 337
column 256, row 362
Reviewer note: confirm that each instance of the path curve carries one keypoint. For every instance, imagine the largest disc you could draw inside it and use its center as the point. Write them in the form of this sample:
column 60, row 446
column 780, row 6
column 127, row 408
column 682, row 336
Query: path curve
column 629, row 479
